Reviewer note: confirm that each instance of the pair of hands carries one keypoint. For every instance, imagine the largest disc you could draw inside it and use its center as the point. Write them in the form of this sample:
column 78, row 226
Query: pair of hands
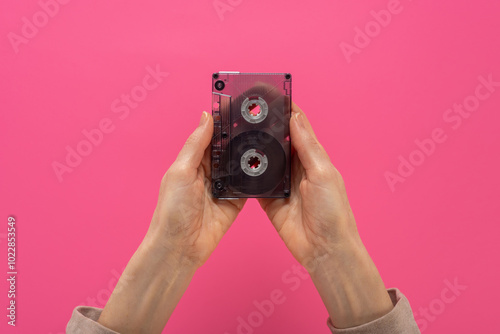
column 315, row 222
column 316, row 217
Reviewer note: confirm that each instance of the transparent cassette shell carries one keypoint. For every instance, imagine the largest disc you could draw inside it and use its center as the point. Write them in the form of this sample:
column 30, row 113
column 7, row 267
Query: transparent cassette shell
column 251, row 149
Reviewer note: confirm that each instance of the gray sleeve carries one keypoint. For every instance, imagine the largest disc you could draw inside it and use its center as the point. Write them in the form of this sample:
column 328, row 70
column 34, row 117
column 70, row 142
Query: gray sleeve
column 399, row 320
column 84, row 321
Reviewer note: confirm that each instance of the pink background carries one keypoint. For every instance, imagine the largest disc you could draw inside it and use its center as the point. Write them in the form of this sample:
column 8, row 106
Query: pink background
column 74, row 236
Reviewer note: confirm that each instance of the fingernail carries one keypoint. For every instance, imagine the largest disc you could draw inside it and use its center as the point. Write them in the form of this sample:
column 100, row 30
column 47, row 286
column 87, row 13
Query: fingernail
column 299, row 120
column 204, row 118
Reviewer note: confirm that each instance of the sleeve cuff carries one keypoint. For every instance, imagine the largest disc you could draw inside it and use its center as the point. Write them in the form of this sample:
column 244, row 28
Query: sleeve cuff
column 399, row 320
column 84, row 320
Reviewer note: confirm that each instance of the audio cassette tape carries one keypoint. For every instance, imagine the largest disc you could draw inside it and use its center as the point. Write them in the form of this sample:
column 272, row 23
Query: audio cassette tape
column 250, row 154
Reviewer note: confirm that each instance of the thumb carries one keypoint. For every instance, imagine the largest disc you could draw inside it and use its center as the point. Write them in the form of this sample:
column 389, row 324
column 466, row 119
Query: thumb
column 307, row 146
column 193, row 150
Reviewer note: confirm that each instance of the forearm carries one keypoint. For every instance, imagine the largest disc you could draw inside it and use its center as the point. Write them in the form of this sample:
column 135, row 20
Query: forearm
column 148, row 291
column 350, row 286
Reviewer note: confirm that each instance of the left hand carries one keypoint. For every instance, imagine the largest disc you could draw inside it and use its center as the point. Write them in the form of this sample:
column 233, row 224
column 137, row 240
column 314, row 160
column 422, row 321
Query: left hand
column 187, row 225
column 188, row 220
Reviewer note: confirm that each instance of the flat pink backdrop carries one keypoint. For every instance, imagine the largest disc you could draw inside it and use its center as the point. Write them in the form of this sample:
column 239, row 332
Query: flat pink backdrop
column 368, row 105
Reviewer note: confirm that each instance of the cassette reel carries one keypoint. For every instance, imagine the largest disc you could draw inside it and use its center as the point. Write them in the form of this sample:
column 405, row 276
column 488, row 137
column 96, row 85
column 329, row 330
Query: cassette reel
column 251, row 147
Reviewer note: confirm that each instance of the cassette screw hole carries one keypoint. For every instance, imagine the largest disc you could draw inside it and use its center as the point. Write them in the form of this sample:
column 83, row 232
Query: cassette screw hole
column 215, row 76
column 218, row 185
column 287, row 76
column 224, row 135
column 254, row 162
column 219, row 85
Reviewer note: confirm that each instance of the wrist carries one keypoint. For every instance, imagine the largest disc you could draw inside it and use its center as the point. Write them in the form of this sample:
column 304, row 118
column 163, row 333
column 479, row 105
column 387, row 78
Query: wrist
column 350, row 285
column 173, row 254
column 335, row 253
column 147, row 292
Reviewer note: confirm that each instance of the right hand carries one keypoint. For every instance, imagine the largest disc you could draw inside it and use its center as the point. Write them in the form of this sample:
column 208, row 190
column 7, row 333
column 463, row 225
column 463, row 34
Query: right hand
column 318, row 227
column 317, row 217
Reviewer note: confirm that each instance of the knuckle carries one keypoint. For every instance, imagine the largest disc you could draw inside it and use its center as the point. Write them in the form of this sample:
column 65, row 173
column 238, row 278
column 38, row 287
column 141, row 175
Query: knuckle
column 325, row 171
column 313, row 144
column 192, row 139
column 337, row 176
column 171, row 174
column 303, row 188
column 164, row 180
